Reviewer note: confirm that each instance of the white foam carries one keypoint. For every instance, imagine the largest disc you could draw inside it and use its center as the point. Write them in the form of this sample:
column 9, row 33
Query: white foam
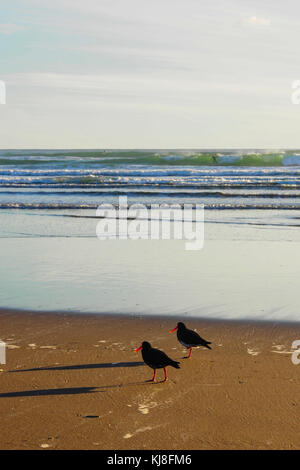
column 253, row 352
column 147, row 428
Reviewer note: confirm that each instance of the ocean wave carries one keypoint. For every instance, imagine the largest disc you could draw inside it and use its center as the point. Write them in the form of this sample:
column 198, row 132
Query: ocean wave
column 150, row 157
column 221, row 206
column 291, row 160
column 44, row 179
column 167, row 193
column 243, row 186
column 144, row 170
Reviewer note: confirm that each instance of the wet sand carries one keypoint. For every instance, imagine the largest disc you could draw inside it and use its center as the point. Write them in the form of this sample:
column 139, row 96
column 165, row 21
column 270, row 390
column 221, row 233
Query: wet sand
column 73, row 382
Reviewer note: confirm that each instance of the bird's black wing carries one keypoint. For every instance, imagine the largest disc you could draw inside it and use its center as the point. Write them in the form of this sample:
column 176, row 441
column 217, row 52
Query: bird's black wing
column 157, row 358
column 194, row 339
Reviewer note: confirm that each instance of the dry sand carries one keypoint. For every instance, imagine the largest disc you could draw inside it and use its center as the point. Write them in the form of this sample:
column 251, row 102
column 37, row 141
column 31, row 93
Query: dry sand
column 74, row 382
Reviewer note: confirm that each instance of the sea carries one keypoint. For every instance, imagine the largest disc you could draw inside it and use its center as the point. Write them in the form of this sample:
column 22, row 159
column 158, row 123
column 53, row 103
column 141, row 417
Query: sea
column 248, row 267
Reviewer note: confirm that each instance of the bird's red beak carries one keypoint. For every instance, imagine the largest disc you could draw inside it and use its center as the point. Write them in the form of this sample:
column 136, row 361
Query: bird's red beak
column 174, row 329
column 137, row 349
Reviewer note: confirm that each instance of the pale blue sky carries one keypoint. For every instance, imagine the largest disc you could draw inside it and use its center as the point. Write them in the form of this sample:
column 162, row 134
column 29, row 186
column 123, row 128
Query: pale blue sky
column 140, row 74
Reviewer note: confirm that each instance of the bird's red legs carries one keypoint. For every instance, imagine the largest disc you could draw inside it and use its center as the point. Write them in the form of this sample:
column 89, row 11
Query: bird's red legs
column 166, row 376
column 154, row 375
column 190, row 353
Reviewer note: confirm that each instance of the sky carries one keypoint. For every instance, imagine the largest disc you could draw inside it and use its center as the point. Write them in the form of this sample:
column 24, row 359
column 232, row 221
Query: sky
column 140, row 74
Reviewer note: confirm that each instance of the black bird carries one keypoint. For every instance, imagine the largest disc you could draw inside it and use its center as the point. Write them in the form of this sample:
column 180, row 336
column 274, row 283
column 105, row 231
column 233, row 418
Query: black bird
column 189, row 338
column 156, row 359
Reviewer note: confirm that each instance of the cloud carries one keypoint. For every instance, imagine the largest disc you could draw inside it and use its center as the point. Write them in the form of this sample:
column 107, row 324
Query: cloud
column 260, row 21
column 10, row 28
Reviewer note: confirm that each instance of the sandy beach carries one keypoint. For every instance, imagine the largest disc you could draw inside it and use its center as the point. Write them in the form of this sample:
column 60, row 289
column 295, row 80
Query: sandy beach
column 149, row 175
column 74, row 382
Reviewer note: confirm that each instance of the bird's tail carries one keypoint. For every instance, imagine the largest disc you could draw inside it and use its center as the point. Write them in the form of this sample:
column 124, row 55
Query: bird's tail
column 175, row 364
column 207, row 343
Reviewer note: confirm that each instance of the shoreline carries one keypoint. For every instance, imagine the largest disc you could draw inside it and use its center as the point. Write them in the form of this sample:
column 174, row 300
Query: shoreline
column 73, row 381
column 153, row 317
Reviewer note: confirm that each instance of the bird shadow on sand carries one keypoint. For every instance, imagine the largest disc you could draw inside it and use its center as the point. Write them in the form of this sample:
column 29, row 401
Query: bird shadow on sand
column 69, row 391
column 78, row 390
column 104, row 365
column 50, row 391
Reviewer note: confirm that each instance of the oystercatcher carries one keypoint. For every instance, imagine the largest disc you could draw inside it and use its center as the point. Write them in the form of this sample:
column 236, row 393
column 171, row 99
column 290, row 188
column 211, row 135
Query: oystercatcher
column 189, row 338
column 156, row 359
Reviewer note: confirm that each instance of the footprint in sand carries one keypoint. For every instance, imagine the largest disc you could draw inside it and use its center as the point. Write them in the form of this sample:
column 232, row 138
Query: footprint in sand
column 253, row 352
column 280, row 349
column 145, row 407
